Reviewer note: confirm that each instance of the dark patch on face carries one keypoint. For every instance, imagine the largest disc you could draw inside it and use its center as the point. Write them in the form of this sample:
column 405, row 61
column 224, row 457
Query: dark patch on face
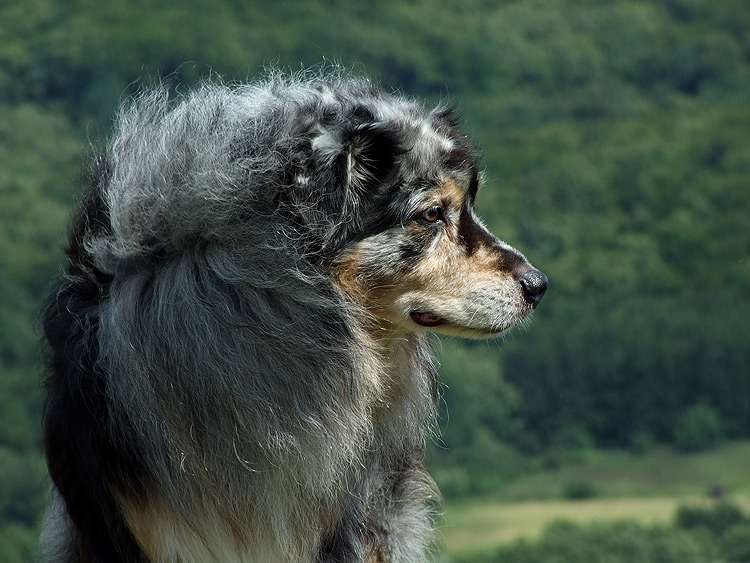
column 470, row 233
column 379, row 222
column 379, row 210
column 409, row 254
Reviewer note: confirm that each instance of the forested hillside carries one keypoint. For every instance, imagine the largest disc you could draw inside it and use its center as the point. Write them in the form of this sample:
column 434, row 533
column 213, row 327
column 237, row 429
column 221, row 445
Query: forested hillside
column 616, row 140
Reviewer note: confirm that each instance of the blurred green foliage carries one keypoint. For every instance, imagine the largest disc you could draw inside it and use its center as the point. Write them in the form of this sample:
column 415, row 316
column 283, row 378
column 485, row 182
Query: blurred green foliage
column 717, row 519
column 616, row 137
column 619, row 542
column 698, row 428
column 699, row 534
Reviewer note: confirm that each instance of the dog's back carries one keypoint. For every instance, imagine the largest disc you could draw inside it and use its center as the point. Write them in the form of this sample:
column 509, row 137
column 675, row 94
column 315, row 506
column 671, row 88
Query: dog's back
column 238, row 370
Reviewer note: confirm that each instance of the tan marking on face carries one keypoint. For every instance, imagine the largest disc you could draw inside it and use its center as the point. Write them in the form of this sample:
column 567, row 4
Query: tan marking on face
column 472, row 293
column 349, row 273
column 446, row 277
column 448, row 263
column 451, row 193
column 346, row 273
column 448, row 195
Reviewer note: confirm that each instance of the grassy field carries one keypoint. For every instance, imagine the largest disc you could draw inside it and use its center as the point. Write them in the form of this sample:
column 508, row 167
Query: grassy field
column 647, row 488
column 661, row 472
column 479, row 526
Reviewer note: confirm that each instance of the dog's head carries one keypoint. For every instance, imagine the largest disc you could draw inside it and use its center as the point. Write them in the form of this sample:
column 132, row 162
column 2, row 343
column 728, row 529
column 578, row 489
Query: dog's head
column 409, row 247
column 287, row 179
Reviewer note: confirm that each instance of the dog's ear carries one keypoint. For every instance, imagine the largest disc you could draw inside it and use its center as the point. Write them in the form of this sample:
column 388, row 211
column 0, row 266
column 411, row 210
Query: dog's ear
column 373, row 149
column 360, row 159
column 336, row 172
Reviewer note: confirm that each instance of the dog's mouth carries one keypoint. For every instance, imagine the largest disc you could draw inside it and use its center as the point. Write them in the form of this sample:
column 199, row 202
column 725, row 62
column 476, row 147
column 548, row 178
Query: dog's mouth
column 448, row 326
column 425, row 319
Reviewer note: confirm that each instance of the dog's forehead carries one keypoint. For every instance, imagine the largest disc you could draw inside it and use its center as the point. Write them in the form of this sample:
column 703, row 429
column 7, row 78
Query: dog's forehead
column 428, row 131
column 429, row 139
column 435, row 151
column 438, row 154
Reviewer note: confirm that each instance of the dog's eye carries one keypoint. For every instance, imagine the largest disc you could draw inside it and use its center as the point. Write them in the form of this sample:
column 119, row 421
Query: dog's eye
column 432, row 215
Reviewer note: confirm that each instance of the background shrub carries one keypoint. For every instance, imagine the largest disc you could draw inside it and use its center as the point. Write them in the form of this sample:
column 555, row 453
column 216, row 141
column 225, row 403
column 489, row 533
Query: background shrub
column 613, row 542
column 699, row 428
column 717, row 519
column 735, row 543
column 579, row 490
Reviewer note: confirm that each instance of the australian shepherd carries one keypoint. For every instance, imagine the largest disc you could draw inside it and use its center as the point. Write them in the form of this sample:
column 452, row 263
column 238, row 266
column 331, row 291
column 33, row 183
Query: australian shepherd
column 239, row 368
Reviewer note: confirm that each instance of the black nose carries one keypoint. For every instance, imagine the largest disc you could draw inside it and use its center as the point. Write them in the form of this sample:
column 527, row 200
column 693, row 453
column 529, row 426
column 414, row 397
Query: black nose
column 534, row 285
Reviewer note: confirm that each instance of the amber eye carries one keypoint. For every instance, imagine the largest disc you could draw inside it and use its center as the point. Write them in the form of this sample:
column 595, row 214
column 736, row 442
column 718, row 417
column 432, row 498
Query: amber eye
column 432, row 215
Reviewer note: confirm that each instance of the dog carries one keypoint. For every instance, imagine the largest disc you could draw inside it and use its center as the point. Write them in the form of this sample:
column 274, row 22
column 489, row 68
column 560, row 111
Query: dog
column 239, row 366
